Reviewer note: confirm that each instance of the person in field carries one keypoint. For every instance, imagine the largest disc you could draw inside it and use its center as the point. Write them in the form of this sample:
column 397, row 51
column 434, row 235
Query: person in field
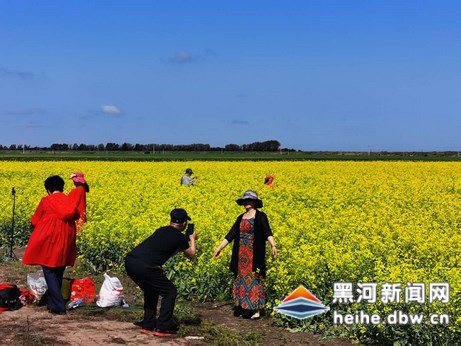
column 187, row 179
column 144, row 265
column 269, row 180
column 249, row 233
column 78, row 194
column 52, row 242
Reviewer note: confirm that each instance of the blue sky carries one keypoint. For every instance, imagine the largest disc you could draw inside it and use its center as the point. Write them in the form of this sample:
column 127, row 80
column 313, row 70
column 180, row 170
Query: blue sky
column 315, row 75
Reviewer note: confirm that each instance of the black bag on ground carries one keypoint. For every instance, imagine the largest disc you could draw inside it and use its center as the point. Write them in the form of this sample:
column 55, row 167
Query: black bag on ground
column 9, row 297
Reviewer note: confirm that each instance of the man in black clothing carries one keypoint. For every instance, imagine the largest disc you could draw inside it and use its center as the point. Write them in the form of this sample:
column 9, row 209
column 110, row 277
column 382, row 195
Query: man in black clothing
column 144, row 265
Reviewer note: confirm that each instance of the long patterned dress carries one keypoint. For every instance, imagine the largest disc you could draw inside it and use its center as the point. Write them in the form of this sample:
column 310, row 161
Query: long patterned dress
column 248, row 286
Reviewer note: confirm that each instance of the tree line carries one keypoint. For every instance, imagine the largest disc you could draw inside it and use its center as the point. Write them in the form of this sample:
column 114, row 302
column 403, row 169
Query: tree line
column 271, row 145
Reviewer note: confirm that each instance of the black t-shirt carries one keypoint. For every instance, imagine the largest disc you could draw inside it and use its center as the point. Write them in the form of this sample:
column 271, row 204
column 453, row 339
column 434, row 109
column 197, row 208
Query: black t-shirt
column 160, row 246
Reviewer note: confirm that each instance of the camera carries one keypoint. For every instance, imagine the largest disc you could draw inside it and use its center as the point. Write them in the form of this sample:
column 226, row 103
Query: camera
column 190, row 229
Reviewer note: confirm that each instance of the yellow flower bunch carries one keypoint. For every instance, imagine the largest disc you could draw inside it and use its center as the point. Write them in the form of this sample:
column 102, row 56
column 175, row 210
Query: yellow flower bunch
column 332, row 221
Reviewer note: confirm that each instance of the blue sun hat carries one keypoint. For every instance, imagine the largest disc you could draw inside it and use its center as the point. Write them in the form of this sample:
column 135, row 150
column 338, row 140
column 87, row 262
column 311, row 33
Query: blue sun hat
column 250, row 195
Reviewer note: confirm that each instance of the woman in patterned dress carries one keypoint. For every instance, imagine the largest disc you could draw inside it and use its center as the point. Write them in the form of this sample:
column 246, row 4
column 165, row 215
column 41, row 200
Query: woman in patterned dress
column 249, row 233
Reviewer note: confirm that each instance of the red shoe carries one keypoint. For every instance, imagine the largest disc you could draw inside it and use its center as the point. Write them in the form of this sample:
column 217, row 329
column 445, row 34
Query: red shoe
column 146, row 331
column 163, row 333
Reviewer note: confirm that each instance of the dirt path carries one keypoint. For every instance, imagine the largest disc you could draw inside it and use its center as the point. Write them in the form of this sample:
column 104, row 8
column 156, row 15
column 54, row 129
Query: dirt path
column 222, row 315
column 31, row 326
column 201, row 323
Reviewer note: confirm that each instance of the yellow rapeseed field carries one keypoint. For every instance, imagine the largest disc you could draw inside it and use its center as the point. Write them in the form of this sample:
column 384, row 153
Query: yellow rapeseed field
column 332, row 221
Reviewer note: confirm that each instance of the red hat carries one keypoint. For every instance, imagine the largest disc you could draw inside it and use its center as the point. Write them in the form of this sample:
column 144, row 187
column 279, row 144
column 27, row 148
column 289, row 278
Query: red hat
column 78, row 177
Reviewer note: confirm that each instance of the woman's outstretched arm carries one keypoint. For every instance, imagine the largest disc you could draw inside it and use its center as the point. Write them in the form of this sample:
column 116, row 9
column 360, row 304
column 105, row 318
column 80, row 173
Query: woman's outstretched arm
column 220, row 247
column 270, row 239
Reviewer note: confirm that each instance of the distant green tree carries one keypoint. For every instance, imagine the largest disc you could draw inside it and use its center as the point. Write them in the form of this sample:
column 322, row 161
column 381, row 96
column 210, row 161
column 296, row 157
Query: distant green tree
column 126, row 147
column 232, row 147
column 112, row 147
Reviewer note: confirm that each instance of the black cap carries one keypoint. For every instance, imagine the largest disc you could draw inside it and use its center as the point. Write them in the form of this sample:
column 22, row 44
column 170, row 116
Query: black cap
column 179, row 215
column 189, row 171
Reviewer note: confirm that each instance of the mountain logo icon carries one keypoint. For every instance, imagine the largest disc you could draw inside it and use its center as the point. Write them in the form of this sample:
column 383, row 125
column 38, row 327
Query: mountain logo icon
column 300, row 304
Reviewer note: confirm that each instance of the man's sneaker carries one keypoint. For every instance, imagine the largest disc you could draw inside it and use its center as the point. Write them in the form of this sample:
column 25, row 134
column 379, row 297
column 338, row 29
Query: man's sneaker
column 146, row 331
column 164, row 333
column 141, row 324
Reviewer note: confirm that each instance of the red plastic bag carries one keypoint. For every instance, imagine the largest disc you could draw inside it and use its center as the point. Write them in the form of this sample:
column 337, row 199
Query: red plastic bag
column 26, row 297
column 83, row 290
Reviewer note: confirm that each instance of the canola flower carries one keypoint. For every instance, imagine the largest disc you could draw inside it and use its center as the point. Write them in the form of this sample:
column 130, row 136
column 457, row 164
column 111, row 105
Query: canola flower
column 332, row 221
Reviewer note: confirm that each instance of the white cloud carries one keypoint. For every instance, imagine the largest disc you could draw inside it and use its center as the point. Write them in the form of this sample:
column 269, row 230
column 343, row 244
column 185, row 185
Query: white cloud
column 27, row 111
column 6, row 72
column 111, row 110
column 182, row 57
column 240, row 122
column 33, row 125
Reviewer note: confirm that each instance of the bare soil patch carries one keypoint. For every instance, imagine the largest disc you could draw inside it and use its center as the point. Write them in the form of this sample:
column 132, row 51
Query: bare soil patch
column 200, row 323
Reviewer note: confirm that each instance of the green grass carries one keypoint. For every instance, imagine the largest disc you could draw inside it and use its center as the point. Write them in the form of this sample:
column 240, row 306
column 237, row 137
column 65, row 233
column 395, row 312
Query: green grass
column 225, row 156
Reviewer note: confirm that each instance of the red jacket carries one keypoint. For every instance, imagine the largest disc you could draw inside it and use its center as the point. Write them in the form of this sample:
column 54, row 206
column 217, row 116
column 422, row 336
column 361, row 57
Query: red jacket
column 78, row 195
column 52, row 243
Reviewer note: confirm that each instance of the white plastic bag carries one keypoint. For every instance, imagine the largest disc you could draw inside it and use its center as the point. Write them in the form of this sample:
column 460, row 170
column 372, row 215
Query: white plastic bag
column 111, row 293
column 37, row 284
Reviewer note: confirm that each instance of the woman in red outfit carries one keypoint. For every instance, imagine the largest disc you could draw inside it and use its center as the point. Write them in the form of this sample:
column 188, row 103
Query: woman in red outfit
column 78, row 194
column 269, row 180
column 52, row 243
